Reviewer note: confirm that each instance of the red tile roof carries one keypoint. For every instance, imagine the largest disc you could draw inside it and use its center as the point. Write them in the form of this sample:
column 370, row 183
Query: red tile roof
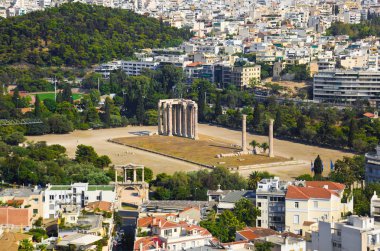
column 15, row 202
column 15, row 216
column 369, row 115
column 305, row 193
column 330, row 185
column 147, row 243
column 248, row 234
column 100, row 205
column 195, row 64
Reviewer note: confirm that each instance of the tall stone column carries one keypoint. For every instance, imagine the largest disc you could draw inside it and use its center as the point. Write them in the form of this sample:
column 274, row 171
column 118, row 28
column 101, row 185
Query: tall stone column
column 125, row 175
column 115, row 176
column 159, row 118
column 244, row 134
column 196, row 122
column 170, row 120
column 179, row 131
column 134, row 175
column 174, row 132
column 271, row 151
column 165, row 119
column 184, row 125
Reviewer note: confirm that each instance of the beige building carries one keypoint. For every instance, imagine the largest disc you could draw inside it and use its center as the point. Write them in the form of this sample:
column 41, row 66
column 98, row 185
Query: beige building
column 242, row 75
column 306, row 205
column 26, row 198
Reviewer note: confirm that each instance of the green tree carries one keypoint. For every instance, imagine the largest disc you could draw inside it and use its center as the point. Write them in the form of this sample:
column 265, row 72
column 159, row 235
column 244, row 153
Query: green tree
column 263, row 246
column 67, row 95
column 257, row 118
column 218, row 106
column 318, row 167
column 228, row 224
column 37, row 107
column 85, row 154
column 245, row 211
column 25, row 245
column 107, row 112
column 265, row 146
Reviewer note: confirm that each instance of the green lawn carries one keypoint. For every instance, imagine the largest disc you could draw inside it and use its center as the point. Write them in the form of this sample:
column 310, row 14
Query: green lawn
column 50, row 95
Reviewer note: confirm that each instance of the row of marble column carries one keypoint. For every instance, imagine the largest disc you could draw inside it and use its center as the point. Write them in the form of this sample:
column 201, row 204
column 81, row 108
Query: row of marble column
column 179, row 119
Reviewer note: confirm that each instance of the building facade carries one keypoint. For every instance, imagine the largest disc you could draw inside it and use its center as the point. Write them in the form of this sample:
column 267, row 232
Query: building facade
column 346, row 86
column 354, row 234
column 310, row 204
column 270, row 199
column 372, row 166
column 241, row 76
column 80, row 194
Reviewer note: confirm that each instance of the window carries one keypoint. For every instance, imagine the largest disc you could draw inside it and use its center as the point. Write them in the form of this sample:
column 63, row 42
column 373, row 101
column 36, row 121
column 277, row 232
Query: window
column 51, row 207
column 315, row 204
column 259, row 204
column 35, row 211
column 97, row 197
column 259, row 223
column 296, row 219
column 296, row 204
column 51, row 197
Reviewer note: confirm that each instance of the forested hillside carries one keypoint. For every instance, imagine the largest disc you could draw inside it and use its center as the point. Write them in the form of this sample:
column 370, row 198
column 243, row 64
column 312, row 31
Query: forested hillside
column 370, row 27
column 77, row 34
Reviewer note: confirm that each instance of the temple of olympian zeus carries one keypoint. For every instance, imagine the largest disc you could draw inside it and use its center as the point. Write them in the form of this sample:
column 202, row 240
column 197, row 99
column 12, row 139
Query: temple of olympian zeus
column 178, row 117
column 244, row 137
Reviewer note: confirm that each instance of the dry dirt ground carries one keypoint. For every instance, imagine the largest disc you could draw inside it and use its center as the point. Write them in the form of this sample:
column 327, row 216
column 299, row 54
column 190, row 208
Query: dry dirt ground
column 121, row 154
column 202, row 151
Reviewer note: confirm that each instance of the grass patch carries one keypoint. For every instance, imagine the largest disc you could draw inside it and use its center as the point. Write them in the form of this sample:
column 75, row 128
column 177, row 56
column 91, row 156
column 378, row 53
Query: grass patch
column 202, row 151
column 50, row 95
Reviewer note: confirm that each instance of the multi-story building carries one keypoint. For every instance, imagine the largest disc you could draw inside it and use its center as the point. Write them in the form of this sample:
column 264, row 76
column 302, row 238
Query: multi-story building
column 171, row 235
column 25, row 198
column 310, row 204
column 346, row 86
column 372, row 166
column 354, row 234
column 242, row 75
column 135, row 68
column 270, row 199
column 79, row 194
column 375, row 207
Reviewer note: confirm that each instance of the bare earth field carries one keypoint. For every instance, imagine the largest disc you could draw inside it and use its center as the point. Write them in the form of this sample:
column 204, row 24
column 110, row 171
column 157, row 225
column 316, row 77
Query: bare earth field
column 202, row 151
column 120, row 154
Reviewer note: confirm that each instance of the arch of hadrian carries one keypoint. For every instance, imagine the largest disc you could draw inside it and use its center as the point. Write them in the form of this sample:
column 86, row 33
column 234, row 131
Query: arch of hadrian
column 178, row 117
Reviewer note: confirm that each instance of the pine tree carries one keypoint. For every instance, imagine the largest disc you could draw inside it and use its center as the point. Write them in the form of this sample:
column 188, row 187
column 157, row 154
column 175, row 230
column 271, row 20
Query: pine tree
column 140, row 110
column 352, row 131
column 278, row 120
column 257, row 120
column 37, row 107
column 67, row 94
column 107, row 112
column 301, row 124
column 318, row 167
column 218, row 106
column 16, row 97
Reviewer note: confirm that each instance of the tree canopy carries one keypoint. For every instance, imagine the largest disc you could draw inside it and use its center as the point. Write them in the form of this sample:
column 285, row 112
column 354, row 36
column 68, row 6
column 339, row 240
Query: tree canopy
column 76, row 34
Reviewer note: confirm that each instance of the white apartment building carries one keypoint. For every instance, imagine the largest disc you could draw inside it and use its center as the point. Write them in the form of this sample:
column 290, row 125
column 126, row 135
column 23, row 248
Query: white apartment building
column 284, row 243
column 346, row 86
column 372, row 166
column 354, row 234
column 79, row 194
column 270, row 199
column 135, row 68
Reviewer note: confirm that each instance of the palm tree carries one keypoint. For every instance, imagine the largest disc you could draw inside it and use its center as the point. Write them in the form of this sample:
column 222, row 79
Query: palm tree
column 264, row 146
column 253, row 179
column 26, row 245
column 254, row 144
